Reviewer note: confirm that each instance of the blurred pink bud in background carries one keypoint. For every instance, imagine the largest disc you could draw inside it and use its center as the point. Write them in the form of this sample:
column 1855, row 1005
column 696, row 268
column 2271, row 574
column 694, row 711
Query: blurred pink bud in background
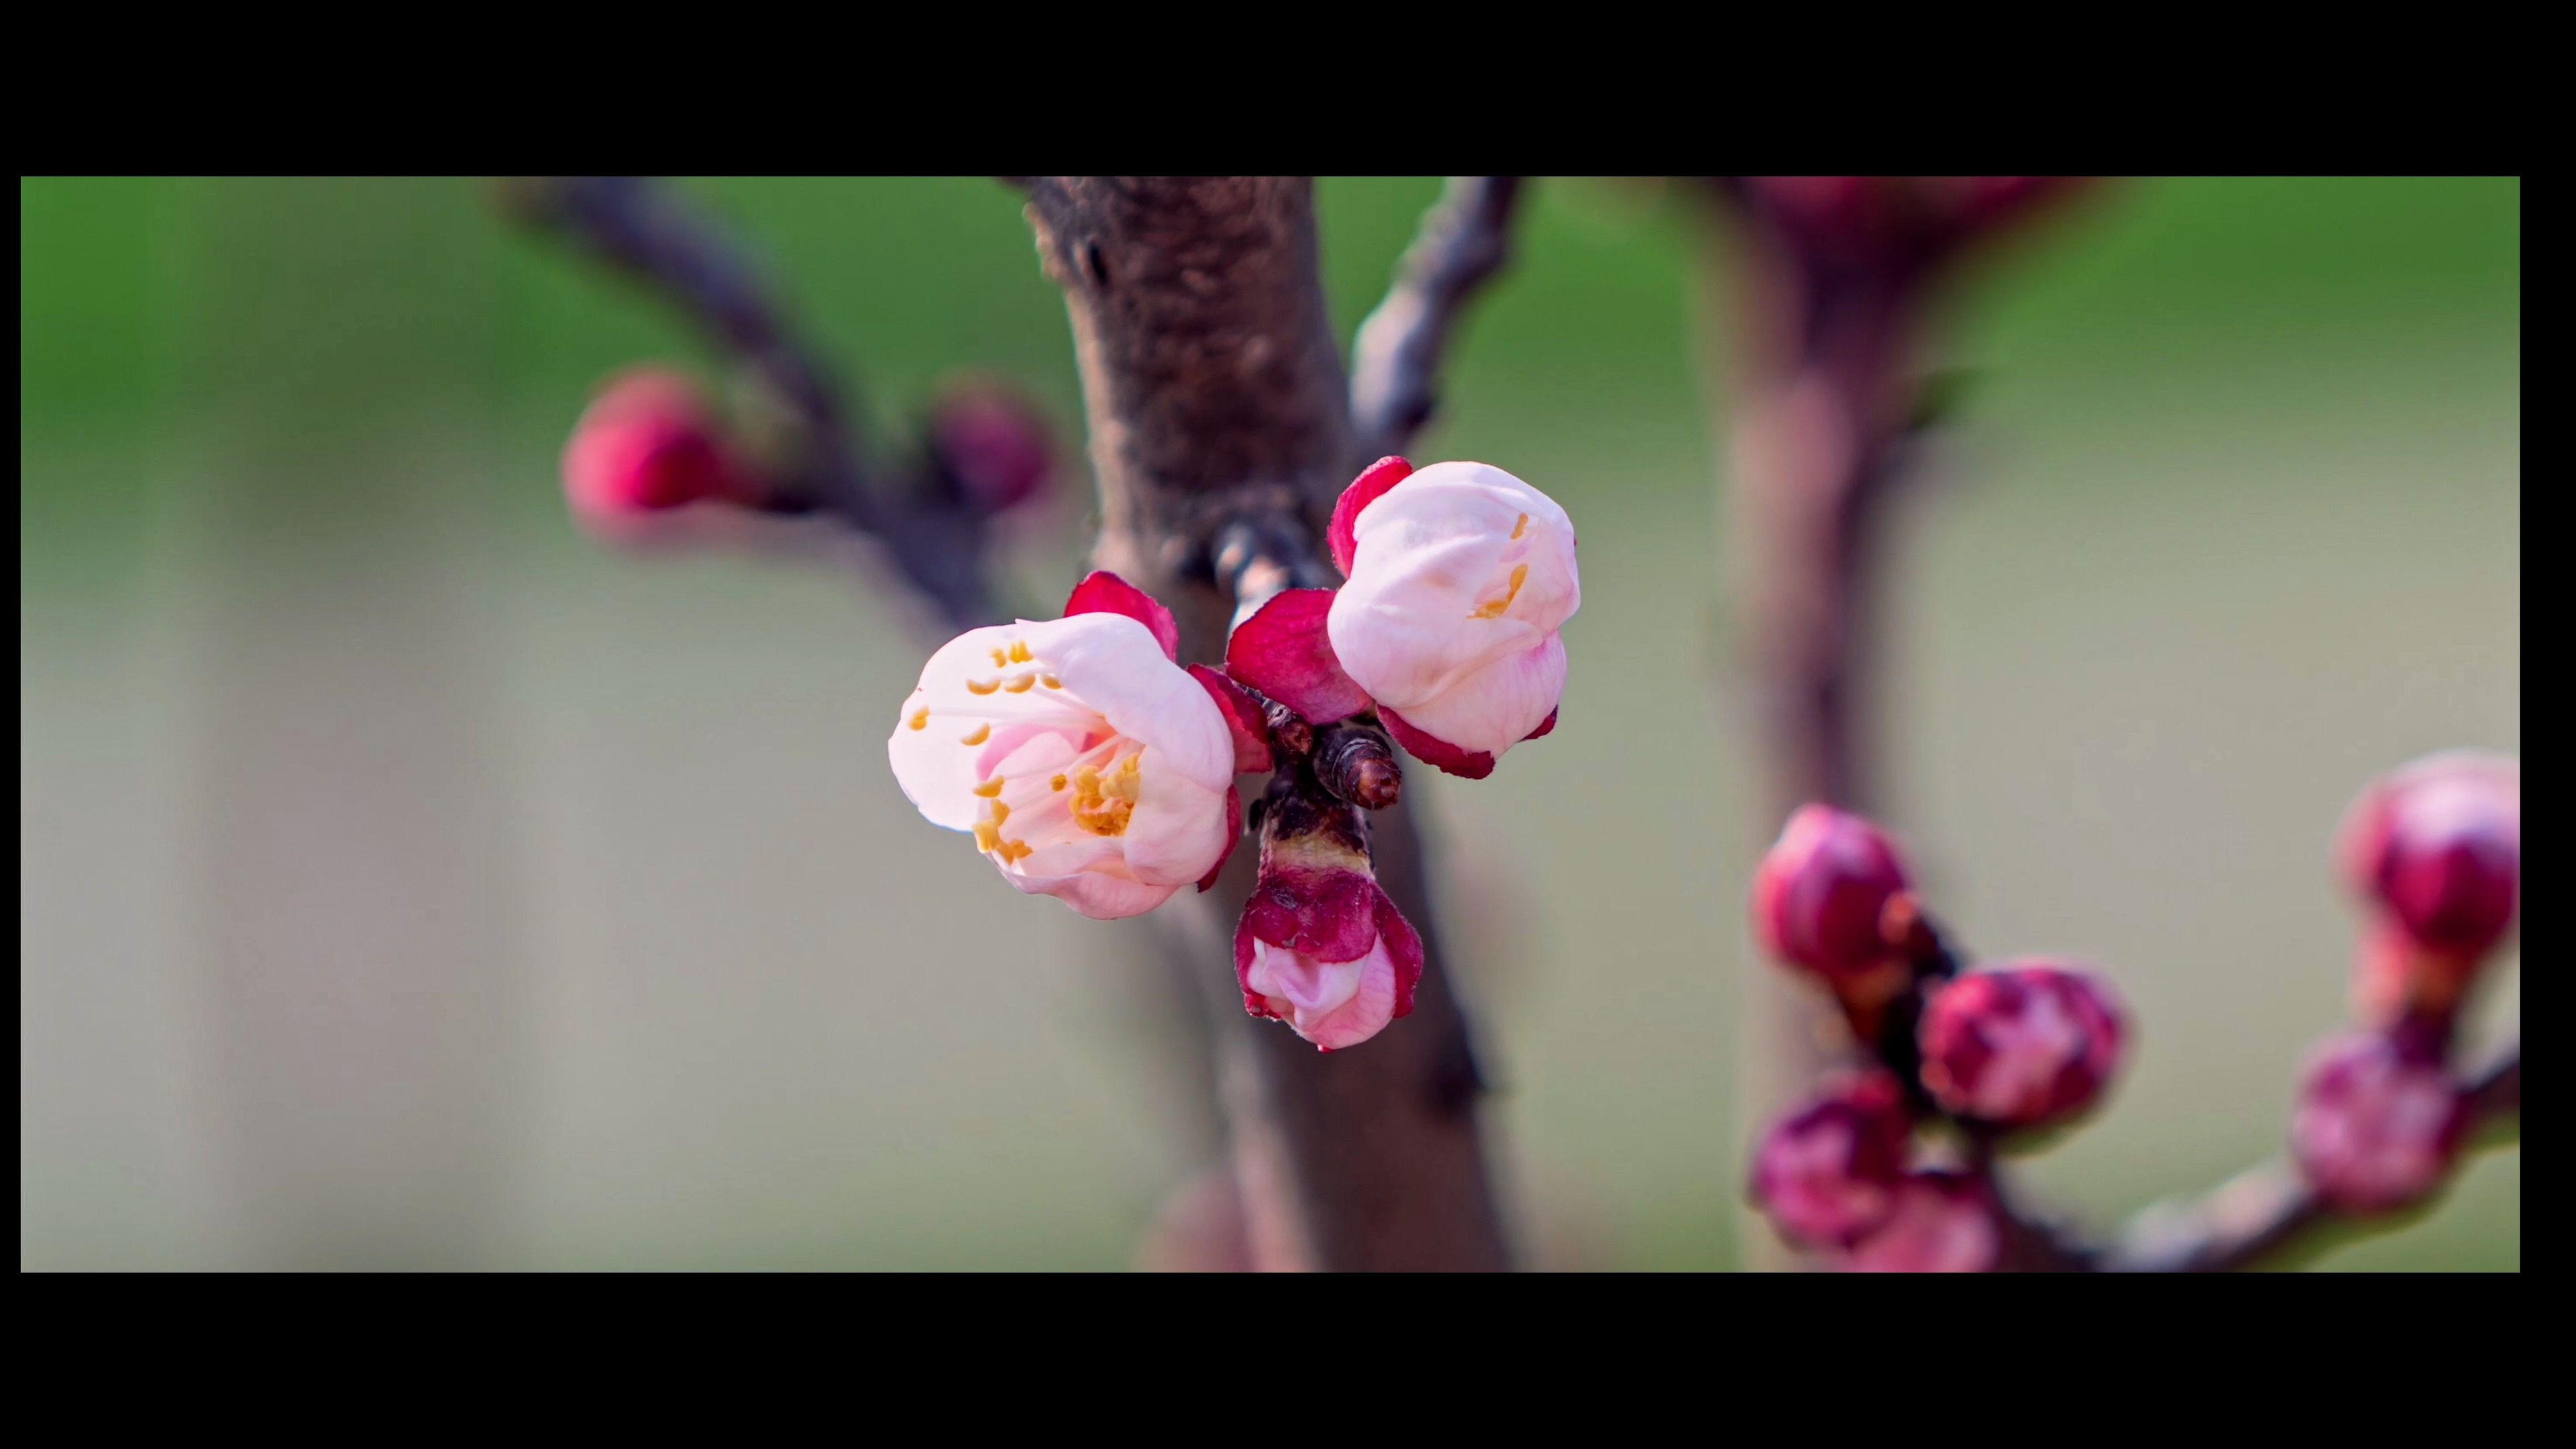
column 645, row 445
column 1820, row 891
column 1829, row 1172
column 2032, row 1042
column 1942, row 1223
column 993, row 442
column 2375, row 1129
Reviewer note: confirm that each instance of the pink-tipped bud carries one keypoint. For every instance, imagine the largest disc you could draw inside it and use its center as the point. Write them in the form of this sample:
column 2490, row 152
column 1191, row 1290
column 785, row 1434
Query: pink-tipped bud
column 645, row 445
column 1820, row 894
column 1828, row 1173
column 1943, row 1223
column 2437, row 846
column 2376, row 1129
column 2031, row 1043
column 994, row 443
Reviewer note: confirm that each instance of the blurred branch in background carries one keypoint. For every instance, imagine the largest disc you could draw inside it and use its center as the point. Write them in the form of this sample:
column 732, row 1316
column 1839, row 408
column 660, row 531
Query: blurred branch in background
column 931, row 532
column 2270, row 1217
column 1831, row 282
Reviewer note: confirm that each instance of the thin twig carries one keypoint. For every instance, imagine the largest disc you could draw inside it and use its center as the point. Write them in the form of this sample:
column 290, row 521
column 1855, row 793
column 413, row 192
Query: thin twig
column 937, row 544
column 2267, row 1213
column 1395, row 362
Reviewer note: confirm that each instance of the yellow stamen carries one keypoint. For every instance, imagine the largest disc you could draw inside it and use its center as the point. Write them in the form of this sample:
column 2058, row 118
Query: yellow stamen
column 1494, row 610
column 1103, row 807
column 1050, row 681
column 990, row 788
column 987, row 836
column 982, row 733
column 972, row 687
column 1057, row 783
column 1521, row 527
column 1021, row 684
column 1020, row 652
column 1000, row 659
column 920, row 719
column 1001, row 812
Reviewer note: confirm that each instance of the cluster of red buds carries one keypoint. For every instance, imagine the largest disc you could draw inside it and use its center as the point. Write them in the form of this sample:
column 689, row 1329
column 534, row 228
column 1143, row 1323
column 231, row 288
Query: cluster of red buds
column 1092, row 766
column 651, row 445
column 1996, row 1056
column 2434, row 852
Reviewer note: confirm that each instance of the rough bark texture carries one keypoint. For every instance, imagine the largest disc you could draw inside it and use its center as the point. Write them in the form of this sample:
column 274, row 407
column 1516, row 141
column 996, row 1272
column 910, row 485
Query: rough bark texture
column 1220, row 435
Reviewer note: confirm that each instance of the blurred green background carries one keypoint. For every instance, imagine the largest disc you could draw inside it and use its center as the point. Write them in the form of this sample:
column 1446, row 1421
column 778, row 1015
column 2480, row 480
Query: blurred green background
column 406, row 880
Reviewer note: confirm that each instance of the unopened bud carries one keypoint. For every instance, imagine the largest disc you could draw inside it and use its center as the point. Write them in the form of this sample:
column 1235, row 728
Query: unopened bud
column 1828, row 1173
column 2031, row 1043
column 645, row 445
column 2377, row 1128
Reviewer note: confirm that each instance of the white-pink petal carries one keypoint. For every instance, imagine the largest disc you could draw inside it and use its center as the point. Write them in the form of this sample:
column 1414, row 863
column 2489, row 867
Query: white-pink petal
column 1460, row 579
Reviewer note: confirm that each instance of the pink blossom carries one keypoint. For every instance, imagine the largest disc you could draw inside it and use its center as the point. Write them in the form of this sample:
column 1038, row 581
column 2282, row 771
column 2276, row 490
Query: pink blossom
column 1320, row 946
column 2375, row 1129
column 2032, row 1042
column 1461, row 579
column 1086, row 764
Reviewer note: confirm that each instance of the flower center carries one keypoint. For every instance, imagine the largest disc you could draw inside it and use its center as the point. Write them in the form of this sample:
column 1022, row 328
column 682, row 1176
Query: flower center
column 1103, row 803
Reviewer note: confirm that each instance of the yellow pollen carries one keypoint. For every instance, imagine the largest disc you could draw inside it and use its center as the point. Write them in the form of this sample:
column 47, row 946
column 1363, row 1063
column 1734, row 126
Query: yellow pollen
column 973, row 687
column 1020, row 652
column 920, row 719
column 1000, row 659
column 990, row 788
column 1021, row 684
column 1494, row 610
column 987, row 836
column 1521, row 527
column 1057, row 783
column 1104, row 806
column 1001, row 812
column 1050, row 681
column 1017, row 850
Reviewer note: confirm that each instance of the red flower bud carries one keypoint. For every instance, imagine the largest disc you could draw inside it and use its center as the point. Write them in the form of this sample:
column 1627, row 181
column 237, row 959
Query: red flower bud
column 645, row 445
column 994, row 443
column 1820, row 892
column 2375, row 1128
column 2032, row 1043
column 2437, row 846
column 1828, row 1173
column 1943, row 1223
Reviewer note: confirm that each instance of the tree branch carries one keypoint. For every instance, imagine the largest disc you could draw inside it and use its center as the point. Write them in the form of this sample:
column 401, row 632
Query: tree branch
column 1817, row 435
column 936, row 543
column 1220, row 436
column 2266, row 1213
column 1395, row 363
